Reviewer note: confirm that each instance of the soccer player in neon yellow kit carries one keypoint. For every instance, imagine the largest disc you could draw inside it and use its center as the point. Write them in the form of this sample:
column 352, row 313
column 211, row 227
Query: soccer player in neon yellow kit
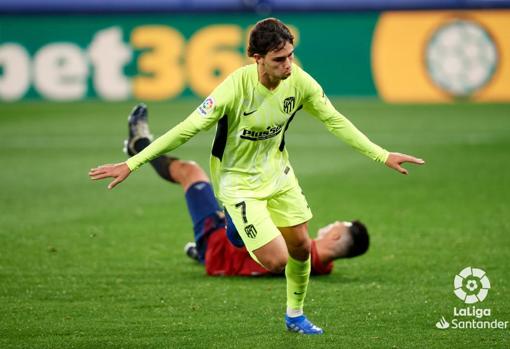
column 250, row 169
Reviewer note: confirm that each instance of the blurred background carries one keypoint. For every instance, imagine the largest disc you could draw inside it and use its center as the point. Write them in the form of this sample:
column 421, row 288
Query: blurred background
column 154, row 50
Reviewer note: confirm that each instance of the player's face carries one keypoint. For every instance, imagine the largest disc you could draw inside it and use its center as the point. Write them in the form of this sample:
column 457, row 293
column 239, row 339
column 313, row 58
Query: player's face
column 278, row 64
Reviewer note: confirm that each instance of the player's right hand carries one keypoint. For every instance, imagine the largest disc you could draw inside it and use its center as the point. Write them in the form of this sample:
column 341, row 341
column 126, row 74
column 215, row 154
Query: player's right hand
column 118, row 172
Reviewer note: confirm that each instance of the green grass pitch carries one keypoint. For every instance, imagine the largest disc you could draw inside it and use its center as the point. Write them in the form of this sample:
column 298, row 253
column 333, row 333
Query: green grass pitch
column 84, row 267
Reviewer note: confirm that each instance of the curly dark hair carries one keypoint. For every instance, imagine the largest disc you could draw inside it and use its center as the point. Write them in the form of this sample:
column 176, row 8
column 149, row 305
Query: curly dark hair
column 268, row 35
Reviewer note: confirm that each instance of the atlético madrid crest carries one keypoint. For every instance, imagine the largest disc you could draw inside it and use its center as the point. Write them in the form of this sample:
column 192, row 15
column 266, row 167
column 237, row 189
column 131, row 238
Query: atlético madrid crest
column 250, row 231
column 288, row 104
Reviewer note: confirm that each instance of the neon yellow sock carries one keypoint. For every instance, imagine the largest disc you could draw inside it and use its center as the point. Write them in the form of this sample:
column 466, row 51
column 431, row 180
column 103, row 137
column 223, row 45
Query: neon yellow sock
column 298, row 275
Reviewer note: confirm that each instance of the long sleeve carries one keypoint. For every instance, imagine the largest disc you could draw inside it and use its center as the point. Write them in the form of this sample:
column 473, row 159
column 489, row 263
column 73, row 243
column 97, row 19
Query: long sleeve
column 316, row 103
column 206, row 115
column 175, row 137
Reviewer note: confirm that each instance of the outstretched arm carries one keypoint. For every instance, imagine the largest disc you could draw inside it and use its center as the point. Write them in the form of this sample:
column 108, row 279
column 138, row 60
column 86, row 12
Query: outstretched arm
column 167, row 142
column 206, row 115
column 318, row 105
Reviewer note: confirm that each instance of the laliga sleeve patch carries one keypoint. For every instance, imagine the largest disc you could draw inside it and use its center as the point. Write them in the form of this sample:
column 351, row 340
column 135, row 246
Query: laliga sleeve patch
column 207, row 106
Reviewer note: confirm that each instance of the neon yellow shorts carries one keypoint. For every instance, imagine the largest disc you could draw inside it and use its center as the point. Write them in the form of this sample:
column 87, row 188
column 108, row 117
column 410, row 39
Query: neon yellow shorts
column 257, row 220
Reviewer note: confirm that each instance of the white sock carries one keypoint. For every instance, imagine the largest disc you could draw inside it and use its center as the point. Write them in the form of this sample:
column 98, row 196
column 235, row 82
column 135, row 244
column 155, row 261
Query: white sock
column 294, row 312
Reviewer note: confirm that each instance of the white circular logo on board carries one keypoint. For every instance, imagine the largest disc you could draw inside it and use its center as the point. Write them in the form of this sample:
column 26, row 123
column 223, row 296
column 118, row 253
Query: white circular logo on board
column 461, row 57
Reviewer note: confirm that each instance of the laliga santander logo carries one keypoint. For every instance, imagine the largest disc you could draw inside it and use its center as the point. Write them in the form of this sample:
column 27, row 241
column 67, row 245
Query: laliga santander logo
column 471, row 285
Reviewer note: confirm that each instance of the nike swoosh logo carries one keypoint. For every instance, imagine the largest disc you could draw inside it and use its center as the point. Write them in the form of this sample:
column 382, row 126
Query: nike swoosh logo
column 298, row 293
column 249, row 113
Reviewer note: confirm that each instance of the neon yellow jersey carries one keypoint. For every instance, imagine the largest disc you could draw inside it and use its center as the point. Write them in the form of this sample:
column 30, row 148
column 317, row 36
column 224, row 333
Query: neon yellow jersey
column 249, row 158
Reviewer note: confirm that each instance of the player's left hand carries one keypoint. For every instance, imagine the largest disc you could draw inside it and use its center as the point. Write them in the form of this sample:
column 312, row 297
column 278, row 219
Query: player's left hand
column 396, row 159
column 118, row 172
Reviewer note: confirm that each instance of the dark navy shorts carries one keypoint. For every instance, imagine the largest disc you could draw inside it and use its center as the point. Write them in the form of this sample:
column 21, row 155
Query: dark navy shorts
column 207, row 217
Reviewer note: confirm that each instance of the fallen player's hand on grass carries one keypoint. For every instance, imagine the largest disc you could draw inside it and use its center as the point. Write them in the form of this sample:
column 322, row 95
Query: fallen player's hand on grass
column 396, row 159
column 118, row 172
